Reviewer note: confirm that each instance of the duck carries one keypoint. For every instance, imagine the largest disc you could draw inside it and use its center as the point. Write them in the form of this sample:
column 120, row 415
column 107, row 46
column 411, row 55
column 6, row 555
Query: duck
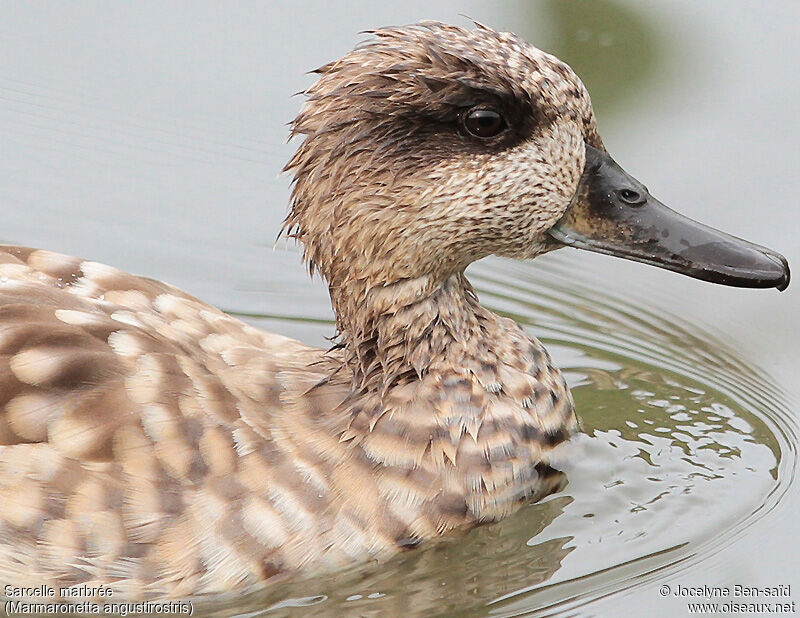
column 157, row 446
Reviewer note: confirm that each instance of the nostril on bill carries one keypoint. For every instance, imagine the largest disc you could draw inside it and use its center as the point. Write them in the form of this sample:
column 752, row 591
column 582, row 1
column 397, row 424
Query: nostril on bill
column 631, row 197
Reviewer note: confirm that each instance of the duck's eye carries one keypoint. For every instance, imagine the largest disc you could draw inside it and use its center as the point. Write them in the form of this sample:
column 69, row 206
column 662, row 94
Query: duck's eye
column 484, row 123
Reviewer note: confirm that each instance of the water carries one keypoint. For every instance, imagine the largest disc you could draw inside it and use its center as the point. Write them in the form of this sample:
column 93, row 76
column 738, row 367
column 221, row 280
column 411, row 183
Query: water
column 672, row 421
column 150, row 137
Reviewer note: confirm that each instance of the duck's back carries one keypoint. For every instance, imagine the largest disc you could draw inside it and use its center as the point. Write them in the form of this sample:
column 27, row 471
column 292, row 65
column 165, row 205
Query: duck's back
column 148, row 440
column 154, row 444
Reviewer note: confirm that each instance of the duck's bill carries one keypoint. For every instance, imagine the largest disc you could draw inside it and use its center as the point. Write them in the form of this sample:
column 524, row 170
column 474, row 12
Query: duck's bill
column 613, row 213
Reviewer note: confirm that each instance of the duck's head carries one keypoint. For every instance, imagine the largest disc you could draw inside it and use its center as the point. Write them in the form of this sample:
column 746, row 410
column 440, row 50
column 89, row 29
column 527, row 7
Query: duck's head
column 431, row 146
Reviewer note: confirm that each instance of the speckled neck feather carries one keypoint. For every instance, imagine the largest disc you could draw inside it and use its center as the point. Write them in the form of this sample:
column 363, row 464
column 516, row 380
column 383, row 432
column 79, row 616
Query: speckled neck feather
column 375, row 166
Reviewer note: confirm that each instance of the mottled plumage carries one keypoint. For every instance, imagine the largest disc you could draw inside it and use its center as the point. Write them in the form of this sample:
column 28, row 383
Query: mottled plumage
column 154, row 444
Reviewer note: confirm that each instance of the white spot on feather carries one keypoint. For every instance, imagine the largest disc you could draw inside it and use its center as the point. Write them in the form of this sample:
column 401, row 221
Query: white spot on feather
column 96, row 270
column 126, row 344
column 78, row 318
column 127, row 317
column 263, row 523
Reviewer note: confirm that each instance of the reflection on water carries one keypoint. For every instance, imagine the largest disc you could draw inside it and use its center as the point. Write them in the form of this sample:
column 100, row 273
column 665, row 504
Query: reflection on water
column 672, row 422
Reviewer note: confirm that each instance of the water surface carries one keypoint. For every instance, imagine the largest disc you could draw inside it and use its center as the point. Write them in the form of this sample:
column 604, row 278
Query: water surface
column 672, row 422
column 150, row 137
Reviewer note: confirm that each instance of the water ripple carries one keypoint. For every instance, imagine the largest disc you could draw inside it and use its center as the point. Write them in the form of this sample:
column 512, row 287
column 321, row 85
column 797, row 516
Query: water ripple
column 684, row 447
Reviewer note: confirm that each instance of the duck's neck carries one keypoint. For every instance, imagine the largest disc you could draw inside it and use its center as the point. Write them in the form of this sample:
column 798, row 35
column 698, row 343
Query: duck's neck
column 397, row 332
